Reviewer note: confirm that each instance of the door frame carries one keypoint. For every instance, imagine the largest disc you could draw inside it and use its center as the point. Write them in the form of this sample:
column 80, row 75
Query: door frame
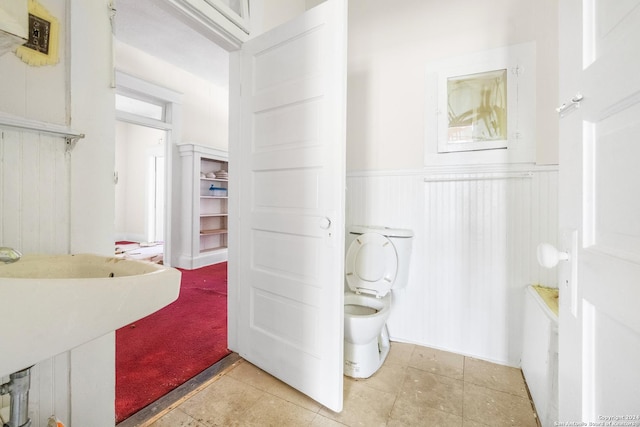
column 155, row 156
column 223, row 33
column 172, row 125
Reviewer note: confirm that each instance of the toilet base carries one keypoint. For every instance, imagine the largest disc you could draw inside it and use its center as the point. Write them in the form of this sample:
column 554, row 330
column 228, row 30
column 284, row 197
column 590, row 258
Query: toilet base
column 363, row 360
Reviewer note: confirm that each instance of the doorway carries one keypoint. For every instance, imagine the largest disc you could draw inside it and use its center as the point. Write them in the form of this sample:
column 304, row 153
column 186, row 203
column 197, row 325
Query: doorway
column 305, row 62
column 140, row 164
column 153, row 107
column 148, row 120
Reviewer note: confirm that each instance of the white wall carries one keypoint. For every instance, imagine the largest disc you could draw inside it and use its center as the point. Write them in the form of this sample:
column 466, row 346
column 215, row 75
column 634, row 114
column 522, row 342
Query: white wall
column 134, row 145
column 35, row 181
column 205, row 111
column 65, row 201
column 390, row 44
column 38, row 93
column 92, row 111
column 475, row 233
column 34, row 218
column 475, row 238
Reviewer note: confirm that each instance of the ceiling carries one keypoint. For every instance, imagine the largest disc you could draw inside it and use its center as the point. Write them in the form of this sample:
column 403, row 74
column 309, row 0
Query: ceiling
column 153, row 27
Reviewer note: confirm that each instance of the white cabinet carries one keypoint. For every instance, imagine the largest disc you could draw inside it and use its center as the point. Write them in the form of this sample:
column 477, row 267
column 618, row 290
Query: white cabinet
column 204, row 213
column 14, row 24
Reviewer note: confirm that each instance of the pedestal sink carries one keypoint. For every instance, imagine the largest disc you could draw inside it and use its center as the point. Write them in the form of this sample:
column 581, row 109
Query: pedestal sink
column 50, row 304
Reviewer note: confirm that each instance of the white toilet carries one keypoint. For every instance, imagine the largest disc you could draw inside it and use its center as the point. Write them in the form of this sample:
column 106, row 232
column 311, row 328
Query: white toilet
column 377, row 261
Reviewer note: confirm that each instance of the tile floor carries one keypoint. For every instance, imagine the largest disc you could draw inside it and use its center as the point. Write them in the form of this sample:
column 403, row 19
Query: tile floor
column 417, row 386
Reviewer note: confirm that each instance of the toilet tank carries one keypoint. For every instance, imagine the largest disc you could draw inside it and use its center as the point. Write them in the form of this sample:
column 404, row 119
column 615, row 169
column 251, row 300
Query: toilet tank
column 402, row 240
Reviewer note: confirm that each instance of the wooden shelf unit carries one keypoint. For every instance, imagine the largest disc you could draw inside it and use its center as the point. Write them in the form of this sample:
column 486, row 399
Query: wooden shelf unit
column 205, row 215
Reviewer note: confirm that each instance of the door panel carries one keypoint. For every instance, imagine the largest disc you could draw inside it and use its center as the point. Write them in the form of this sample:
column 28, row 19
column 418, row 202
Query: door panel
column 291, row 202
column 615, row 231
column 290, row 126
column 600, row 336
column 302, row 187
column 613, row 344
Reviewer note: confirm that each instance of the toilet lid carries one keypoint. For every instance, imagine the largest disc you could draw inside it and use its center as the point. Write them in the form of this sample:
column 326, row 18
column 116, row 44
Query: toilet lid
column 371, row 264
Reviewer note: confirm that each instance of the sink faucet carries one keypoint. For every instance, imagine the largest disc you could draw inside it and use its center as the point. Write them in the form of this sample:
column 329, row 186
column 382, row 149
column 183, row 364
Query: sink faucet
column 9, row 255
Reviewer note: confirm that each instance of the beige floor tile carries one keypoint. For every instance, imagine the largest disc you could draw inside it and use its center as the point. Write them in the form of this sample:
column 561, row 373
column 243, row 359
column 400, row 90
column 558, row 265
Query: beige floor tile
column 416, row 386
column 405, row 413
column 252, row 375
column 470, row 423
column 272, row 411
column 363, row 406
column 424, row 389
column 388, row 378
column 496, row 408
column 322, row 421
column 176, row 418
column 400, row 354
column 494, row 376
column 292, row 395
column 224, row 402
column 438, row 362
column 256, row 377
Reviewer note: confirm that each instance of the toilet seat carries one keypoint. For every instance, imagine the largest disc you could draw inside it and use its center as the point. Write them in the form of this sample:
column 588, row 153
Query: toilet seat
column 371, row 264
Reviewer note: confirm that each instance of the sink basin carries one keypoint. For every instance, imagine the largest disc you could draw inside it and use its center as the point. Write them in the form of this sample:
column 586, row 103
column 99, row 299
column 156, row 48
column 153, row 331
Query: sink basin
column 50, row 304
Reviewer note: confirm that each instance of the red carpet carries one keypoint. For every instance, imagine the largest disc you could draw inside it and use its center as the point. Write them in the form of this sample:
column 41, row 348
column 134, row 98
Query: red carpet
column 158, row 353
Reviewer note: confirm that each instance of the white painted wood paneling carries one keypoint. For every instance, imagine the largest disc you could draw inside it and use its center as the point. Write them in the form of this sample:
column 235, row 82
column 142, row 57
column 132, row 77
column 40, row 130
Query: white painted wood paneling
column 34, row 218
column 476, row 230
column 50, row 387
column 34, row 192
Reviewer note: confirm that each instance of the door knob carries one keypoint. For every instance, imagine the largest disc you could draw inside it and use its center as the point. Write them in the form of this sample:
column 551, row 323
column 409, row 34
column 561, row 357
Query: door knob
column 325, row 223
column 549, row 256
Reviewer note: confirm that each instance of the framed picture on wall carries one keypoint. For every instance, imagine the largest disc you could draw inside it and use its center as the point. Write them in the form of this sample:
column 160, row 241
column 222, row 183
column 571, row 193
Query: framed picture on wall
column 482, row 101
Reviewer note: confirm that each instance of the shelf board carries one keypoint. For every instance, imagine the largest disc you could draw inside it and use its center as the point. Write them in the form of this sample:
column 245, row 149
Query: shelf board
column 213, row 215
column 215, row 179
column 214, row 231
column 217, row 248
column 214, row 197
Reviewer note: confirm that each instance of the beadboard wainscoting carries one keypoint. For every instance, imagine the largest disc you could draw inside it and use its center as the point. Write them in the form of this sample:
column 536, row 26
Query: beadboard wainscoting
column 34, row 218
column 476, row 232
column 35, row 187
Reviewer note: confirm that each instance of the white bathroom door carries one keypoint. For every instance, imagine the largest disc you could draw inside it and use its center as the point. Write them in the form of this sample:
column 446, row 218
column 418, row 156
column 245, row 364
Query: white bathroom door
column 291, row 166
column 599, row 331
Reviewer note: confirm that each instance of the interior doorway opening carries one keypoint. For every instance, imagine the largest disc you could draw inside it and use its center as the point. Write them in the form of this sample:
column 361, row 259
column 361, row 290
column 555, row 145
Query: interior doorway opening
column 148, row 119
column 191, row 96
column 140, row 170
